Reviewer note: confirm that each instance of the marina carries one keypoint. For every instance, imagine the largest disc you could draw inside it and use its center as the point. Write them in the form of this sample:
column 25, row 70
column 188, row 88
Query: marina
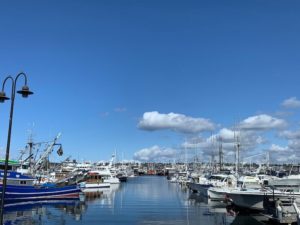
column 141, row 200
column 146, row 199
column 144, row 112
column 163, row 193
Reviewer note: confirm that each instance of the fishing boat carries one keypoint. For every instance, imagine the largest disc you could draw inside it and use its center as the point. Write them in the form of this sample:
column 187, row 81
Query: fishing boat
column 21, row 188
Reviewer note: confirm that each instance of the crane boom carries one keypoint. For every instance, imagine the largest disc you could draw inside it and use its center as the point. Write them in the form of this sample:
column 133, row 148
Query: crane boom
column 46, row 153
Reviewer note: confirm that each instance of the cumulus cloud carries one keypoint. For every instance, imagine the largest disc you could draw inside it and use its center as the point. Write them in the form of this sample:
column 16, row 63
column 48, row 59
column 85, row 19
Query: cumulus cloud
column 246, row 138
column 282, row 154
column 194, row 142
column 290, row 134
column 292, row 102
column 277, row 148
column 154, row 153
column 228, row 139
column 262, row 122
column 294, row 144
column 286, row 158
column 152, row 121
column 228, row 135
column 293, row 138
column 288, row 153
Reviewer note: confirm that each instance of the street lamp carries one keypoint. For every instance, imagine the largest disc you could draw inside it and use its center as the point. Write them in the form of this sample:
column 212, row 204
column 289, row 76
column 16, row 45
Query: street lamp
column 25, row 92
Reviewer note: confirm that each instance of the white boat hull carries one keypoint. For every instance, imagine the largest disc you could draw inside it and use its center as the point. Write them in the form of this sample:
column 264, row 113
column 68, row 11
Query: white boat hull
column 216, row 194
column 248, row 201
column 84, row 186
column 254, row 199
column 112, row 180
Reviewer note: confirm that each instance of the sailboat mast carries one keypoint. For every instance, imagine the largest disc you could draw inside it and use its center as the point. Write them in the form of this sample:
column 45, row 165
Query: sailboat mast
column 185, row 155
column 236, row 153
column 220, row 153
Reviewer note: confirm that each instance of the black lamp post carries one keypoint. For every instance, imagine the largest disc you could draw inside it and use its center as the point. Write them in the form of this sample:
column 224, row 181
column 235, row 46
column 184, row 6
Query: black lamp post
column 25, row 92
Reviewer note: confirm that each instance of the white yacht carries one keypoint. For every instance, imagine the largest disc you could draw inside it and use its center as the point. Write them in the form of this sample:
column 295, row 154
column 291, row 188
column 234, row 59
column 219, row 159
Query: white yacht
column 93, row 180
column 105, row 173
column 252, row 196
column 215, row 180
column 218, row 192
column 291, row 182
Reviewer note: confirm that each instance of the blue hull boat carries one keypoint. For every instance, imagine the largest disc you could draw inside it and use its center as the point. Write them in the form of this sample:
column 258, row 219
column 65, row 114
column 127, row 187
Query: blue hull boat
column 20, row 188
column 32, row 193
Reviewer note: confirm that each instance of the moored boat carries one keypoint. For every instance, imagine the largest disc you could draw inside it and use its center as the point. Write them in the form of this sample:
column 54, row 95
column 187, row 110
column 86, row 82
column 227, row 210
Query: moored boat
column 20, row 188
column 93, row 180
column 204, row 184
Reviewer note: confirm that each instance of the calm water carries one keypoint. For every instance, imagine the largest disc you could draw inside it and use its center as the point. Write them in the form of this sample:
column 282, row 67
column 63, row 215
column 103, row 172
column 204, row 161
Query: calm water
column 139, row 201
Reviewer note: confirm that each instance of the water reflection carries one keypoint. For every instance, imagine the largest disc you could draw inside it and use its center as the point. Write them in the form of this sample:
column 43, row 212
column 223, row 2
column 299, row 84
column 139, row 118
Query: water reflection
column 36, row 212
column 58, row 211
column 104, row 197
column 249, row 220
column 140, row 201
column 217, row 212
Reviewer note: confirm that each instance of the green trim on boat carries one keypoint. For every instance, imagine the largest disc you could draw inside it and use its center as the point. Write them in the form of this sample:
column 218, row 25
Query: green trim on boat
column 10, row 162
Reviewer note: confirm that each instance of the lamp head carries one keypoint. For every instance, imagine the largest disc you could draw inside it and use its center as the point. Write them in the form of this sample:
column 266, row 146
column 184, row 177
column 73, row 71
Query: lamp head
column 60, row 151
column 3, row 97
column 25, row 91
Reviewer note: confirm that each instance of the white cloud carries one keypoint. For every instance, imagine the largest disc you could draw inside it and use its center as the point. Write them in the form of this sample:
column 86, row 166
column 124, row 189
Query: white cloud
column 277, row 148
column 287, row 158
column 177, row 122
column 292, row 102
column 227, row 135
column 286, row 154
column 294, row 144
column 262, row 122
column 293, row 138
column 290, row 134
column 248, row 141
column 154, row 153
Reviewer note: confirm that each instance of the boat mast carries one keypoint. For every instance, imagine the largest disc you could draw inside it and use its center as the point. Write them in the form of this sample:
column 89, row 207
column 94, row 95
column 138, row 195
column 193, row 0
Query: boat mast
column 30, row 144
column 212, row 164
column 185, row 155
column 237, row 153
column 220, row 153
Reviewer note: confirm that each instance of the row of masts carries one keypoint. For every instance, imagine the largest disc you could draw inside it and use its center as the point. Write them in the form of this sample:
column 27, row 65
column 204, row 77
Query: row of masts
column 237, row 146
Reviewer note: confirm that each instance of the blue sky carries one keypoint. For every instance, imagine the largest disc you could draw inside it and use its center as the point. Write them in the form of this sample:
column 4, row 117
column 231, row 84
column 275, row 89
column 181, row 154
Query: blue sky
column 101, row 69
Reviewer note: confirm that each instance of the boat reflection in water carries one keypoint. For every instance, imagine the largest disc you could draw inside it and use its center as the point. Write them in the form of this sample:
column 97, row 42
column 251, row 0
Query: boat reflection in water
column 249, row 220
column 141, row 201
column 101, row 196
column 58, row 211
column 216, row 211
column 31, row 212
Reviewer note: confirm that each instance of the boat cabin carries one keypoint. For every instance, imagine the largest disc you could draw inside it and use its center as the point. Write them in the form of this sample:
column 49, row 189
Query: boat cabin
column 93, row 178
column 15, row 178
